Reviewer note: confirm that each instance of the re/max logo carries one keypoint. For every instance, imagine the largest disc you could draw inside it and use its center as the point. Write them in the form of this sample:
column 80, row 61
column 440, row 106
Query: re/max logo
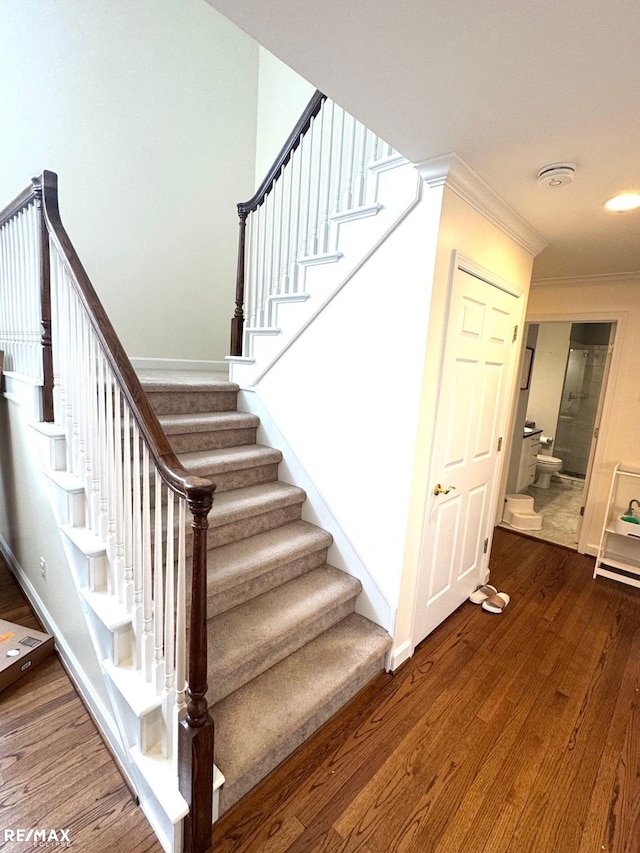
column 55, row 837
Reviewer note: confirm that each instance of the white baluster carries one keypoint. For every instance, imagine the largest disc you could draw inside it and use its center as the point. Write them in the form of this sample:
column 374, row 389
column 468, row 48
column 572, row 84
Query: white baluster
column 348, row 192
column 110, row 472
column 361, row 177
column 119, row 488
column 276, row 225
column 317, row 189
column 74, row 383
column 137, row 611
column 104, row 428
column 296, row 181
column 127, row 499
column 287, row 224
column 308, row 184
column 181, row 630
column 158, row 591
column 168, row 693
column 147, row 570
column 256, row 220
column 91, row 424
column 324, row 242
column 262, row 272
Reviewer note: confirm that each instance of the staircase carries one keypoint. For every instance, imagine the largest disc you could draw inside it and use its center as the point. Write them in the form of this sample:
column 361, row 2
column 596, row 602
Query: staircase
column 131, row 468
column 286, row 647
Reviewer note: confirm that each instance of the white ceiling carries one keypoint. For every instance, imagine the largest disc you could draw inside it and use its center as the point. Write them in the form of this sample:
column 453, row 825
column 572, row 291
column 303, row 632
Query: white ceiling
column 508, row 85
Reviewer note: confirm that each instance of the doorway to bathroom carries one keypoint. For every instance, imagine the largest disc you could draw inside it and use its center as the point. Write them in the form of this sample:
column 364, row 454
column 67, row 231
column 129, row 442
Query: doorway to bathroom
column 562, row 384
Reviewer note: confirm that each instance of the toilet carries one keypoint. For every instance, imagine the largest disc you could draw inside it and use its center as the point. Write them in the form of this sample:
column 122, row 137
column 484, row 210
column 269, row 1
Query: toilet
column 545, row 467
column 519, row 513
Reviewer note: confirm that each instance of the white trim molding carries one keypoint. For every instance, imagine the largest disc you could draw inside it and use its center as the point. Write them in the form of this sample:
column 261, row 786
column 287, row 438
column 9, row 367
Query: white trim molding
column 451, row 171
column 601, row 280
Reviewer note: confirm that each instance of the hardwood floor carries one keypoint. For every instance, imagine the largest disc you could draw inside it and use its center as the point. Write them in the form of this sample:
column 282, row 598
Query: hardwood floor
column 518, row 732
column 55, row 771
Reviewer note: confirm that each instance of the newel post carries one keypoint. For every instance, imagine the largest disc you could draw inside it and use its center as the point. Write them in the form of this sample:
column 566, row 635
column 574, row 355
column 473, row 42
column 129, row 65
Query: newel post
column 45, row 302
column 237, row 322
column 195, row 734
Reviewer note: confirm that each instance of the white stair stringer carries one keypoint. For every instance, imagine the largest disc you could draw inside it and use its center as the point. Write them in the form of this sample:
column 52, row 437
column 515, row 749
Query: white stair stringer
column 357, row 233
column 136, row 710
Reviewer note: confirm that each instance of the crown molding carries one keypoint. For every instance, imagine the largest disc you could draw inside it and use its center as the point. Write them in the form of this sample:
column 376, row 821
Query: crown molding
column 601, row 280
column 451, row 171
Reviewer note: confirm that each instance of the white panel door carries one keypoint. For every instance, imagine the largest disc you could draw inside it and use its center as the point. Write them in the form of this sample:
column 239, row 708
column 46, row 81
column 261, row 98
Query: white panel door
column 471, row 411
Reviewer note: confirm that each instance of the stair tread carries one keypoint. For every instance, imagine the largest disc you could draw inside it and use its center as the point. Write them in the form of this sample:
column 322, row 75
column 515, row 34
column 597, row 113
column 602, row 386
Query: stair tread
column 252, row 500
column 207, row 422
column 267, row 718
column 238, row 561
column 229, row 458
column 274, row 624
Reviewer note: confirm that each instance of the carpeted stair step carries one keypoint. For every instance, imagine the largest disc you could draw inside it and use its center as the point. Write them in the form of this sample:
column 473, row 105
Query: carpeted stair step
column 183, row 395
column 243, row 570
column 241, row 513
column 260, row 724
column 208, row 430
column 256, row 635
column 234, row 467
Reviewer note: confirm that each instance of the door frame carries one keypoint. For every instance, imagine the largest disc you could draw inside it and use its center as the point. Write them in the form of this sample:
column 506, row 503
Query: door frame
column 597, row 456
column 468, row 265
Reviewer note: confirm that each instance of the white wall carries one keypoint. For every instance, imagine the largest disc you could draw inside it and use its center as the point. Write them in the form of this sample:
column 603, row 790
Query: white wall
column 346, row 394
column 29, row 532
column 547, row 379
column 147, row 111
column 282, row 96
column 603, row 299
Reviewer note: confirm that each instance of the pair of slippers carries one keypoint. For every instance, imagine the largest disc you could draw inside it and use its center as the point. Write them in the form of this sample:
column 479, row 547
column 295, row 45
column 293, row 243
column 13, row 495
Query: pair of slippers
column 491, row 600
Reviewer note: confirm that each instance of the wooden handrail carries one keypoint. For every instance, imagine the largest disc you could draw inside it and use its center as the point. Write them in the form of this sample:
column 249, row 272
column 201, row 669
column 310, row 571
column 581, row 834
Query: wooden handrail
column 293, row 141
column 195, row 753
column 246, row 207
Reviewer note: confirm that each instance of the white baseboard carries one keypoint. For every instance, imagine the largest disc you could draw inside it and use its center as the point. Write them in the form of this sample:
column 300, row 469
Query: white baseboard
column 86, row 691
column 398, row 655
column 140, row 363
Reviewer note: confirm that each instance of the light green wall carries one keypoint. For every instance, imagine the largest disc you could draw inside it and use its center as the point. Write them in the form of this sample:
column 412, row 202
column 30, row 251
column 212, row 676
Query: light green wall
column 147, row 111
column 282, row 96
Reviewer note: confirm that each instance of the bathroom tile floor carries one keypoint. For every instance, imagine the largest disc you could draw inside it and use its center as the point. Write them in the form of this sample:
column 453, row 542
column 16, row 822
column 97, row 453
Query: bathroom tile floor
column 559, row 506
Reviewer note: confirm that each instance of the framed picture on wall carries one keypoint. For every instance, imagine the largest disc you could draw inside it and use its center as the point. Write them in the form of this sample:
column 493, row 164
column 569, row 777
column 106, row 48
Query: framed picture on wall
column 527, row 364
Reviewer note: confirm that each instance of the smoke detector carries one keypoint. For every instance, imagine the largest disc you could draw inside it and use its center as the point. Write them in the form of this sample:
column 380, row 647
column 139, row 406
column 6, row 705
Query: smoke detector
column 556, row 174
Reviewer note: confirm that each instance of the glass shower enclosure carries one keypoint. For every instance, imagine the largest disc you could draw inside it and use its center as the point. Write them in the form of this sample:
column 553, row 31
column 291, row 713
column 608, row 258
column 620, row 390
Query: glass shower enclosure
column 584, row 375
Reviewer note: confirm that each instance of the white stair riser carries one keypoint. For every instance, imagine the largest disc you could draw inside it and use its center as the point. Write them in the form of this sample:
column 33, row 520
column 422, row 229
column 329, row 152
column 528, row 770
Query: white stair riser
column 68, row 505
column 145, row 730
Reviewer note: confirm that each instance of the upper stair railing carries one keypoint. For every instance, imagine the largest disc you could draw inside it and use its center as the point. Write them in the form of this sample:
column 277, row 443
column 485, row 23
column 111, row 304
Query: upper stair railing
column 25, row 309
column 55, row 331
column 320, row 178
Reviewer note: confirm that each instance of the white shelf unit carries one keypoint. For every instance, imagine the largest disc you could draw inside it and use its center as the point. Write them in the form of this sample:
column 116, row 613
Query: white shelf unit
column 619, row 552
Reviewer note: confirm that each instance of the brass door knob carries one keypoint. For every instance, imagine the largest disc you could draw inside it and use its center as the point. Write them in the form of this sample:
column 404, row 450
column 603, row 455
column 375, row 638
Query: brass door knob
column 438, row 490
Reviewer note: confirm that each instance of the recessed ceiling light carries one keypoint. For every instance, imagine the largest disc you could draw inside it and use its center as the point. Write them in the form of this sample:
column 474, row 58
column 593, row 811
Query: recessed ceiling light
column 624, row 201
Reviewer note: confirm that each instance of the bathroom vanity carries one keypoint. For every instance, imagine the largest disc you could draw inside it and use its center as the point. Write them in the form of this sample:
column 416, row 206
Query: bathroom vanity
column 619, row 552
column 528, row 458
